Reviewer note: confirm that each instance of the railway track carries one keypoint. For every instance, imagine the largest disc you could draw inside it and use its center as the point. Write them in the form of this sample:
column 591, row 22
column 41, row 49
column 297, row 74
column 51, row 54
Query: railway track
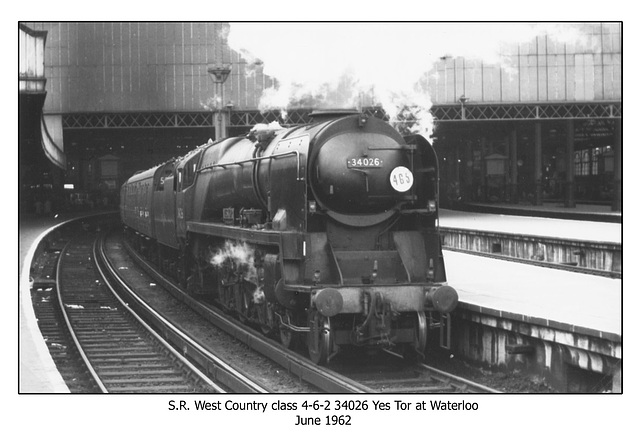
column 297, row 365
column 204, row 358
column 398, row 377
column 64, row 353
column 390, row 373
column 121, row 353
column 114, row 352
column 425, row 379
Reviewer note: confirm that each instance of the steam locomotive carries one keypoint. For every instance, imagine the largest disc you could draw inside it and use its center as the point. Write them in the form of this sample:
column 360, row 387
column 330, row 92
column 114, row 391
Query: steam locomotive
column 325, row 233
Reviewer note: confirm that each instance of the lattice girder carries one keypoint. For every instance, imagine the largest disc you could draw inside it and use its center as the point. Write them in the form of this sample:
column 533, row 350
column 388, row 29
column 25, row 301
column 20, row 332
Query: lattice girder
column 441, row 113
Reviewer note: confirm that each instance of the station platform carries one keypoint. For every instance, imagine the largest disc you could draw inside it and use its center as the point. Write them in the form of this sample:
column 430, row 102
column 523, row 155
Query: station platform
column 593, row 246
column 581, row 212
column 570, row 300
column 37, row 371
column 549, row 226
column 561, row 326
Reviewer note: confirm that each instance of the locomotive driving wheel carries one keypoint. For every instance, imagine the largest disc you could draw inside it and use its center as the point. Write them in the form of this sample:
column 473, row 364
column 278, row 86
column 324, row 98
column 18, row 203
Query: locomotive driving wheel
column 417, row 349
column 420, row 341
column 319, row 340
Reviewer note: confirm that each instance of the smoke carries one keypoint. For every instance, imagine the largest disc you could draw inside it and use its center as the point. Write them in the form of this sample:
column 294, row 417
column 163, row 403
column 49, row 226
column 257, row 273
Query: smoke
column 272, row 126
column 240, row 256
column 353, row 65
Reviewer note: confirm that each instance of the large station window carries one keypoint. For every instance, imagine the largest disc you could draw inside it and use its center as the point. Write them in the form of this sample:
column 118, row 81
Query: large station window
column 588, row 162
column 581, row 162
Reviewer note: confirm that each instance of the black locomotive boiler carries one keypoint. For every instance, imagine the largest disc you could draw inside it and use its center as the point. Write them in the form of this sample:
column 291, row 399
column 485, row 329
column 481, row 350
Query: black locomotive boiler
column 326, row 232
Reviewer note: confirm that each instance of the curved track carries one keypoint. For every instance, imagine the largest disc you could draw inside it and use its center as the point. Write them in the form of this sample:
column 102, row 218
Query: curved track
column 122, row 354
column 204, row 358
column 391, row 375
column 44, row 298
column 113, row 348
column 300, row 367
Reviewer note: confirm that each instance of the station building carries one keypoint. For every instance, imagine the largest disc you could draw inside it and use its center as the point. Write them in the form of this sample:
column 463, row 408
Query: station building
column 543, row 125
column 99, row 101
column 115, row 98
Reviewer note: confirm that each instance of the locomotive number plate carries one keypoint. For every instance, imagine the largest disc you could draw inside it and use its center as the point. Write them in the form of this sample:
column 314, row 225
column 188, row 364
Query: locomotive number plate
column 364, row 162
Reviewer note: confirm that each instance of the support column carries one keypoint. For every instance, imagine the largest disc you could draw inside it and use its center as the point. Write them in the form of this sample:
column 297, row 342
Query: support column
column 569, row 188
column 458, row 184
column 225, row 121
column 219, row 73
column 468, row 193
column 617, row 167
column 218, row 125
column 538, row 163
column 513, row 158
column 482, row 194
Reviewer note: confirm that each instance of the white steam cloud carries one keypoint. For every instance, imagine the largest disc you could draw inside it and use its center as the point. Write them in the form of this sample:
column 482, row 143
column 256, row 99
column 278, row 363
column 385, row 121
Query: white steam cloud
column 240, row 255
column 345, row 65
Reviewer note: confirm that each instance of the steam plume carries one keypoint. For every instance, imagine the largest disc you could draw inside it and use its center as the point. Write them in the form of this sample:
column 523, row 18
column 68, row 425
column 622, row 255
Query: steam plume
column 352, row 65
column 240, row 255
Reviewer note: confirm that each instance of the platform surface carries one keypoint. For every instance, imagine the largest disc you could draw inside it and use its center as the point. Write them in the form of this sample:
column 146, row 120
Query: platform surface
column 37, row 371
column 534, row 226
column 583, row 300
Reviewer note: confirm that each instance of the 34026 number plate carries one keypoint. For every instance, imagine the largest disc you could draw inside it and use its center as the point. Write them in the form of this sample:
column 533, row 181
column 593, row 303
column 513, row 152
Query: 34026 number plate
column 364, row 162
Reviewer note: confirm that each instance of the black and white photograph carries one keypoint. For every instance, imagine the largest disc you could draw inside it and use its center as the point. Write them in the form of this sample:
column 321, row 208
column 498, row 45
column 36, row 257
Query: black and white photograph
column 319, row 225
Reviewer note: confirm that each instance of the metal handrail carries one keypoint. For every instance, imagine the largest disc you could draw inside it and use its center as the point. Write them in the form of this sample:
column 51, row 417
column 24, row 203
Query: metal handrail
column 249, row 160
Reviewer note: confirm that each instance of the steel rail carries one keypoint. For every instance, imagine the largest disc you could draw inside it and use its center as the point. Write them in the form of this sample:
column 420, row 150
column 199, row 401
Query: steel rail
column 323, row 378
column 70, row 327
column 222, row 371
column 150, row 311
column 459, row 383
column 473, row 386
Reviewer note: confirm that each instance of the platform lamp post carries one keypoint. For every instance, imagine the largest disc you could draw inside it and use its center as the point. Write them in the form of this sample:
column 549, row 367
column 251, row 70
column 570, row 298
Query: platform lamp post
column 219, row 74
column 227, row 115
column 463, row 110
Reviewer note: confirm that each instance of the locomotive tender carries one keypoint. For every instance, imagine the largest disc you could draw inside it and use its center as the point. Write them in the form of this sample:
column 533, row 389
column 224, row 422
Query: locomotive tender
column 327, row 231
